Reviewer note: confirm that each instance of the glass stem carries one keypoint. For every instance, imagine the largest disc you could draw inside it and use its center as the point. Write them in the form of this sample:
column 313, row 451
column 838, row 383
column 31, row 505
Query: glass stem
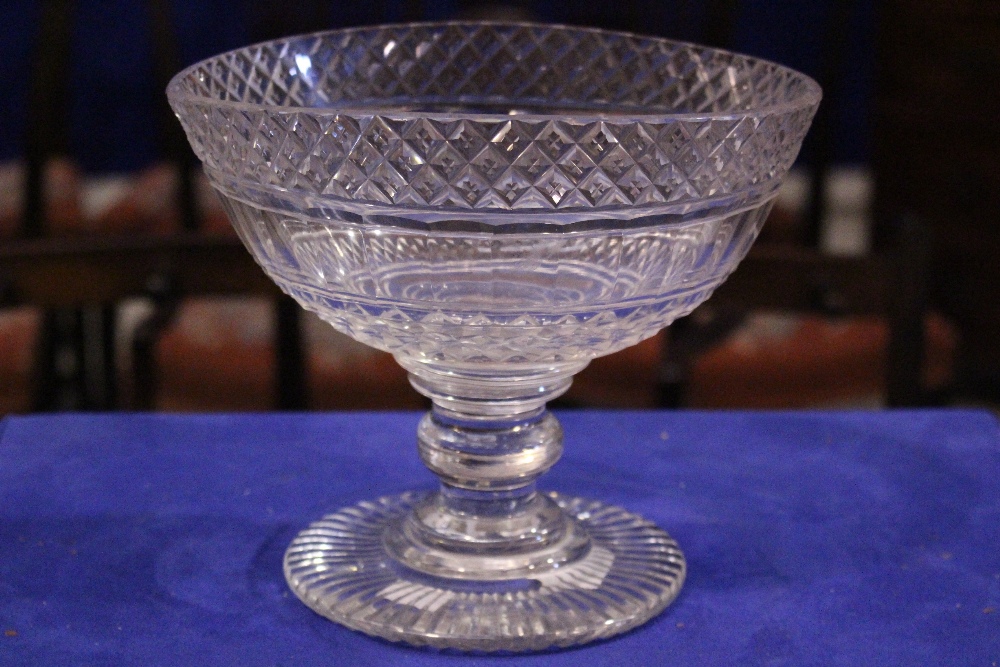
column 488, row 438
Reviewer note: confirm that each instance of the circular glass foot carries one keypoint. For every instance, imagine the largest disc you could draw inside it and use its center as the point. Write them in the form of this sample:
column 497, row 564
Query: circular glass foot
column 341, row 569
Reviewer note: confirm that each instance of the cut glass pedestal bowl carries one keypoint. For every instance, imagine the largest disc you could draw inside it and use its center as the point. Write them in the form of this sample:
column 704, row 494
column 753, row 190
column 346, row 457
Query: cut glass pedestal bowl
column 496, row 205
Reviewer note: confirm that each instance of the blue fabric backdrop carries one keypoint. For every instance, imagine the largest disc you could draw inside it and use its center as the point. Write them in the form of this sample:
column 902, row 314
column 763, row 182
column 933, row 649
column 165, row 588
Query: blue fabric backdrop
column 811, row 538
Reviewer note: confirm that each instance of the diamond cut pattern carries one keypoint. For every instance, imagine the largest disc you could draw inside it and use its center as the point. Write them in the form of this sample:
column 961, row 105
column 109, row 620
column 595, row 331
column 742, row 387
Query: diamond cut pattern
column 753, row 115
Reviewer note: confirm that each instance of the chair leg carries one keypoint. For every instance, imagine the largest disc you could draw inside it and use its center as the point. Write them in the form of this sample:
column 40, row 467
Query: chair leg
column 166, row 298
column 905, row 353
column 109, row 347
column 290, row 367
column 686, row 340
column 57, row 360
column 145, row 377
column 97, row 357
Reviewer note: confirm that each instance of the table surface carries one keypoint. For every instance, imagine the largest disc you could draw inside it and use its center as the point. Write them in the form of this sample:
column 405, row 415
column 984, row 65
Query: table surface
column 812, row 538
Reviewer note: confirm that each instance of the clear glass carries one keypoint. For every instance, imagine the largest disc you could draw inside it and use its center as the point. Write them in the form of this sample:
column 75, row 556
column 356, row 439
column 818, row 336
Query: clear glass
column 495, row 205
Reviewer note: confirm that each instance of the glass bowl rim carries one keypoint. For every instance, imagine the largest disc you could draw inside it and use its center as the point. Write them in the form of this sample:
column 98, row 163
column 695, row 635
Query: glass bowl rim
column 809, row 95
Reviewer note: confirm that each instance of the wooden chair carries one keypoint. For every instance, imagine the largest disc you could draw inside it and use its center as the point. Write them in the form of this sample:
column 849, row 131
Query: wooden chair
column 890, row 284
column 79, row 280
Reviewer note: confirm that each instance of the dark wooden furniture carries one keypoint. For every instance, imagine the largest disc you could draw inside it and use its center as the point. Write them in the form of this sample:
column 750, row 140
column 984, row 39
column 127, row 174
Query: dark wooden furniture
column 80, row 279
column 891, row 285
column 96, row 272
column 937, row 101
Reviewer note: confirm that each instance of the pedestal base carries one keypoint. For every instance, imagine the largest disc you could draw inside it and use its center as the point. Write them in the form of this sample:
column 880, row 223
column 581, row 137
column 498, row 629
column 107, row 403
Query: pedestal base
column 340, row 568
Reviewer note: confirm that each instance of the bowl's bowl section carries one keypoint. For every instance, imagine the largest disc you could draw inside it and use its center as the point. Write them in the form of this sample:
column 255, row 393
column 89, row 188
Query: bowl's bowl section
column 494, row 193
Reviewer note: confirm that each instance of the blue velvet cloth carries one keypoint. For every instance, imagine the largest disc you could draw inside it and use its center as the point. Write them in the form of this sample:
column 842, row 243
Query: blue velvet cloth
column 812, row 538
